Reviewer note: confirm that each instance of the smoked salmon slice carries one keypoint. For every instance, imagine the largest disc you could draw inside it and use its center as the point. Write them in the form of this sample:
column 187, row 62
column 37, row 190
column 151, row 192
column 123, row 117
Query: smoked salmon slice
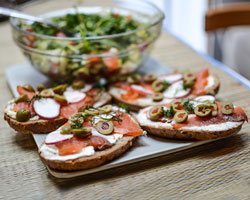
column 201, row 82
column 72, row 108
column 127, row 126
column 75, row 145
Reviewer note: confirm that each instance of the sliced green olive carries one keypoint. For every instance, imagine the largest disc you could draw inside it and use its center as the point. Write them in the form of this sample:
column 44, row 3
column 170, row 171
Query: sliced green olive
column 134, row 78
column 60, row 88
column 60, row 98
column 214, row 109
column 149, row 78
column 180, row 116
column 23, row 115
column 106, row 109
column 189, row 76
column 65, row 130
column 78, row 84
column 40, row 87
column 91, row 111
column 46, row 93
column 202, row 110
column 188, row 84
column 189, row 79
column 28, row 87
column 176, row 105
column 155, row 112
column 159, row 85
column 105, row 127
column 227, row 108
column 157, row 96
column 21, row 98
column 81, row 132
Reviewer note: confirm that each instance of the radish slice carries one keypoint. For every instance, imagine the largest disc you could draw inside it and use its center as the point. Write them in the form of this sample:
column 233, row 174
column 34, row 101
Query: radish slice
column 56, row 137
column 202, row 99
column 85, row 89
column 141, row 89
column 46, row 108
column 74, row 96
column 176, row 91
column 171, row 78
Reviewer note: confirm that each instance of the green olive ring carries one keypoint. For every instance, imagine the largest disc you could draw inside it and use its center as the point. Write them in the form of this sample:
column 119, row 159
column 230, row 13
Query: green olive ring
column 157, row 96
column 106, row 109
column 155, row 112
column 202, row 110
column 60, row 88
column 78, row 84
column 21, row 98
column 227, row 108
column 104, row 127
column 65, row 130
column 46, row 93
column 180, row 116
column 60, row 98
column 158, row 86
column 40, row 87
column 28, row 87
column 82, row 132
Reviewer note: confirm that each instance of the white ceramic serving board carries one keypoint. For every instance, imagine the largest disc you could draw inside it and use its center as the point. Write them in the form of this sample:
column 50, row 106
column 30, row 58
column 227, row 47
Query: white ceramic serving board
column 144, row 148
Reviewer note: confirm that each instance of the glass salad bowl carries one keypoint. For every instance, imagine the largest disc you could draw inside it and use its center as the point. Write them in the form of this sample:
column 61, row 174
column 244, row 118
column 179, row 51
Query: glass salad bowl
column 110, row 39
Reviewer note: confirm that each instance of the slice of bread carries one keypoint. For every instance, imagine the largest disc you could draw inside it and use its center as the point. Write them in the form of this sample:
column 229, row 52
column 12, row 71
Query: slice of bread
column 205, row 132
column 99, row 158
column 37, row 126
column 137, row 104
column 46, row 126
column 188, row 134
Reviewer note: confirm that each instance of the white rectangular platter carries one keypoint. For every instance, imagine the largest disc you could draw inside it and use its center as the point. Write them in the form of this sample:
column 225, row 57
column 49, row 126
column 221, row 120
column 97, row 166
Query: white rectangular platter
column 144, row 148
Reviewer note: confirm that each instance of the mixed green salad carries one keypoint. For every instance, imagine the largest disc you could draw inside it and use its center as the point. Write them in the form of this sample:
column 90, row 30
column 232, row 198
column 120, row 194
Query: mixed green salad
column 81, row 57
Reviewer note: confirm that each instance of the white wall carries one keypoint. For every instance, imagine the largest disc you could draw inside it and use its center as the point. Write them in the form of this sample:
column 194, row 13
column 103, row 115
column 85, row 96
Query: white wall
column 185, row 19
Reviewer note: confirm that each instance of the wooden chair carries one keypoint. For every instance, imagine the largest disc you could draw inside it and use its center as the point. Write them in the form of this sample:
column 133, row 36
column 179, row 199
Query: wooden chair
column 236, row 14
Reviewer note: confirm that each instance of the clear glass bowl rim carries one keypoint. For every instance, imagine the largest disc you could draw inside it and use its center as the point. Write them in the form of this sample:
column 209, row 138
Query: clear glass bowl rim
column 156, row 21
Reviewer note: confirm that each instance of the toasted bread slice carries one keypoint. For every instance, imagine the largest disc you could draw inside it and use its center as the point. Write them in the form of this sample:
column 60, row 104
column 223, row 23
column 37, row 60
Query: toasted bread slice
column 44, row 125
column 37, row 126
column 195, row 132
column 137, row 104
column 99, row 158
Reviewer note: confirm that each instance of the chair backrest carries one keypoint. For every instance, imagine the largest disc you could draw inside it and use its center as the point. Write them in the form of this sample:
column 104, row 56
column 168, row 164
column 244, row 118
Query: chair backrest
column 237, row 14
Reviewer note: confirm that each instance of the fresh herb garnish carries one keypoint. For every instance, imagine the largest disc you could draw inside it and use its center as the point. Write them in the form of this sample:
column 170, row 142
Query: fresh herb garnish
column 124, row 107
column 169, row 112
column 189, row 107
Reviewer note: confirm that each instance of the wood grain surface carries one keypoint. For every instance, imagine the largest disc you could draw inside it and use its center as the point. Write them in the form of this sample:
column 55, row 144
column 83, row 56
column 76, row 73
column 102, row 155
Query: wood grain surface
column 219, row 170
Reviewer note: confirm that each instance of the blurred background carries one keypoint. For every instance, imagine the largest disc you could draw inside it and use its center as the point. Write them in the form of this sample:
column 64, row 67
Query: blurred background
column 186, row 20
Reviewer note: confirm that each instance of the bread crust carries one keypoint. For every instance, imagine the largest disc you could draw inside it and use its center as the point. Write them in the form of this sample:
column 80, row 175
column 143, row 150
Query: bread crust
column 190, row 134
column 135, row 106
column 37, row 126
column 99, row 158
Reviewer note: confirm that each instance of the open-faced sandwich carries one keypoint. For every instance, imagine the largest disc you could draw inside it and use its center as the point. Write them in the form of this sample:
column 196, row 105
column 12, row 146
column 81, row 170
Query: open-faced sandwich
column 138, row 92
column 91, row 138
column 44, row 110
column 199, row 119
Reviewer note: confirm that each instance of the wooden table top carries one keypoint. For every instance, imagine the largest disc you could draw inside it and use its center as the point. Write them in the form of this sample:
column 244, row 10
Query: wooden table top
column 219, row 170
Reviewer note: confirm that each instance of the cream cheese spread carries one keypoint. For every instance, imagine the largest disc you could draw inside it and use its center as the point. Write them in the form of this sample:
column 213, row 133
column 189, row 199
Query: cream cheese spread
column 50, row 152
column 144, row 121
